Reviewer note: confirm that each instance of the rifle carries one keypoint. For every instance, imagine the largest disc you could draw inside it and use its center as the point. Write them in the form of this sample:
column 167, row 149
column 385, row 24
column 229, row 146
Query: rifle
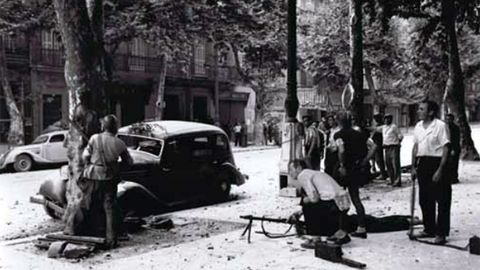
column 412, row 211
column 267, row 234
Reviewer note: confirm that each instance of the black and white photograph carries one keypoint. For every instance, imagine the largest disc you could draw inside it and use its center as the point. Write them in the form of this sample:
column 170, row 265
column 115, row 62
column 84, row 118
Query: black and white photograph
column 239, row 134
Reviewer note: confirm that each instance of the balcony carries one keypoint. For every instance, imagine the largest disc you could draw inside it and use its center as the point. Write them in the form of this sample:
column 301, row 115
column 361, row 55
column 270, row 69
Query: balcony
column 48, row 57
column 143, row 64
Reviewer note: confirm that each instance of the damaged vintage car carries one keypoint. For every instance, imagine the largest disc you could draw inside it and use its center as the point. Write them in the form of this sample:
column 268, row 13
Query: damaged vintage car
column 175, row 163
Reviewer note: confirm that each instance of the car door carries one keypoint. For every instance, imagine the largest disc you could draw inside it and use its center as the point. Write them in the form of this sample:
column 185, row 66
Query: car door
column 54, row 149
column 202, row 166
column 169, row 180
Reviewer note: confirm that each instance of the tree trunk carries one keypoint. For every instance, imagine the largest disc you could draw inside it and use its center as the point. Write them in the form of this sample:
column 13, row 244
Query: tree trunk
column 161, row 87
column 356, row 54
column 16, row 132
column 455, row 88
column 260, row 96
column 84, row 81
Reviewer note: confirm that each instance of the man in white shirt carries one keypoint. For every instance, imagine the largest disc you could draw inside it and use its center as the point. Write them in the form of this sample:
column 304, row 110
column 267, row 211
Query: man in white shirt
column 429, row 159
column 321, row 193
column 392, row 138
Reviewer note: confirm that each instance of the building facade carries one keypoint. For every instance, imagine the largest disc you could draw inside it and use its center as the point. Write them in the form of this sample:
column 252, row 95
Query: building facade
column 36, row 73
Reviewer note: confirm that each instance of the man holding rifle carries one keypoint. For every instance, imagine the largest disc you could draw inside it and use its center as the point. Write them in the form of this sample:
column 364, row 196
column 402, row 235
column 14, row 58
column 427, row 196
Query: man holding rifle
column 429, row 159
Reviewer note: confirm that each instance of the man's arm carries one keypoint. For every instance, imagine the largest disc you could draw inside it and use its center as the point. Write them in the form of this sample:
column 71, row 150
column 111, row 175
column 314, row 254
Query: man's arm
column 126, row 158
column 341, row 156
column 399, row 133
column 439, row 173
column 87, row 152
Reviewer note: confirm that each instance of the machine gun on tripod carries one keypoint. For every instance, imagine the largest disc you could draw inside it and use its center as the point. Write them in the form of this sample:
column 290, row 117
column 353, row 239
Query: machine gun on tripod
column 251, row 218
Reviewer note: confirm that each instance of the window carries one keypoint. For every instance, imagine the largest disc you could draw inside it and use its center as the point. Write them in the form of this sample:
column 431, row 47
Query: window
column 57, row 138
column 199, row 58
column 49, row 40
column 201, row 147
column 151, row 146
column 138, row 51
column 40, row 139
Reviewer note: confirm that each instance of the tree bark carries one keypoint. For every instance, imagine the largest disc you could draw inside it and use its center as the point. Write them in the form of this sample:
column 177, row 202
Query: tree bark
column 83, row 76
column 356, row 54
column 161, row 87
column 455, row 89
column 16, row 133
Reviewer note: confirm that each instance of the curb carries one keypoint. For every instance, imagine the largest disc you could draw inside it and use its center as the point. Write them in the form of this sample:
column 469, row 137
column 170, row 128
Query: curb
column 253, row 148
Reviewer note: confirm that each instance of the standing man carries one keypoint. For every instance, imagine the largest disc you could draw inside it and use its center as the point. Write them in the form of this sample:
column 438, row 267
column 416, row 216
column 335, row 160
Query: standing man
column 354, row 155
column 102, row 175
column 377, row 138
column 392, row 137
column 265, row 133
column 454, row 155
column 237, row 130
column 429, row 160
column 331, row 154
column 311, row 144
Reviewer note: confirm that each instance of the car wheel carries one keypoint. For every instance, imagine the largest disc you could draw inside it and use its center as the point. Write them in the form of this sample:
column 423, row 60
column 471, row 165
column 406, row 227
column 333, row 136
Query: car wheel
column 223, row 186
column 23, row 163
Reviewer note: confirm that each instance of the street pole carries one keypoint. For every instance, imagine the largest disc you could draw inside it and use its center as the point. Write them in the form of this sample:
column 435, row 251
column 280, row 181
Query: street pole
column 291, row 139
column 291, row 102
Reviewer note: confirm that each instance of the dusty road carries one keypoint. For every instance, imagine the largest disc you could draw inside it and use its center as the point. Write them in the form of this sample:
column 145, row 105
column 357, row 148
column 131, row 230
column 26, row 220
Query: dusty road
column 215, row 242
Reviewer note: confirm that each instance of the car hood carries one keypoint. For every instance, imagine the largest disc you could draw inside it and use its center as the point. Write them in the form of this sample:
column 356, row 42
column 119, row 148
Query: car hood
column 141, row 157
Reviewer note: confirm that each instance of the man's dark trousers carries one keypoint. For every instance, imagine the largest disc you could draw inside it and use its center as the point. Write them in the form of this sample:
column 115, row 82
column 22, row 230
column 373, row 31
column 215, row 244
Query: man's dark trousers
column 103, row 199
column 392, row 161
column 380, row 160
column 432, row 194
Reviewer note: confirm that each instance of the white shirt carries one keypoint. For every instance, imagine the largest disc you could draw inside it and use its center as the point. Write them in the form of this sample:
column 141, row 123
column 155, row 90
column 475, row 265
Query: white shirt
column 431, row 140
column 332, row 146
column 321, row 186
column 391, row 135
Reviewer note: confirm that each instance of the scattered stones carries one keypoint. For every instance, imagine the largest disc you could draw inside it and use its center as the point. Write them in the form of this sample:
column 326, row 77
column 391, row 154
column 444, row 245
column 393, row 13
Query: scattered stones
column 75, row 251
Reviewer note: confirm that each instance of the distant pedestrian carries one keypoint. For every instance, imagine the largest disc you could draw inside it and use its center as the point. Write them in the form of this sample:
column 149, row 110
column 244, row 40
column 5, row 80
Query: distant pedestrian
column 243, row 134
column 354, row 155
column 454, row 155
column 265, row 133
column 392, row 138
column 102, row 175
column 429, row 163
column 237, row 131
column 377, row 138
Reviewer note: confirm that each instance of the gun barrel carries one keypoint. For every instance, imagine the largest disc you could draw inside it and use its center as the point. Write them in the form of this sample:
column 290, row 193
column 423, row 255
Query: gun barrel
column 277, row 220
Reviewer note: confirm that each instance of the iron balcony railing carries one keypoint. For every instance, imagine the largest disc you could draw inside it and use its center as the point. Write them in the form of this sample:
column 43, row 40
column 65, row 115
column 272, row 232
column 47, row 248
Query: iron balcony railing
column 145, row 64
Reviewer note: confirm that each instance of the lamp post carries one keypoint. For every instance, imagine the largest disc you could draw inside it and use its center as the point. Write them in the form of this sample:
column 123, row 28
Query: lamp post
column 291, row 135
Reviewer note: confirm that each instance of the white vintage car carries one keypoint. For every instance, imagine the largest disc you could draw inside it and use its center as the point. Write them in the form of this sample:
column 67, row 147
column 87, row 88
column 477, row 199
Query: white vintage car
column 45, row 149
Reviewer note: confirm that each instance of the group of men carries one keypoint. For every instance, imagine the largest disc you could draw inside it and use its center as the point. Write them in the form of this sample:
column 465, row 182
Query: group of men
column 348, row 151
column 346, row 165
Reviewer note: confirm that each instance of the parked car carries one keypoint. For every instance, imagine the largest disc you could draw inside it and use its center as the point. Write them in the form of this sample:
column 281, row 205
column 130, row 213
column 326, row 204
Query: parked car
column 174, row 162
column 45, row 149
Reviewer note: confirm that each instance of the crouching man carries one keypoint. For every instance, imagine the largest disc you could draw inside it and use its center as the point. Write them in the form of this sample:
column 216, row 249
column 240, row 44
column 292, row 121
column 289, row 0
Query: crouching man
column 324, row 204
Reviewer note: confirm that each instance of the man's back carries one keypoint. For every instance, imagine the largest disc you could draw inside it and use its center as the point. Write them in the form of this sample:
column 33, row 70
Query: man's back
column 106, row 143
column 355, row 143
